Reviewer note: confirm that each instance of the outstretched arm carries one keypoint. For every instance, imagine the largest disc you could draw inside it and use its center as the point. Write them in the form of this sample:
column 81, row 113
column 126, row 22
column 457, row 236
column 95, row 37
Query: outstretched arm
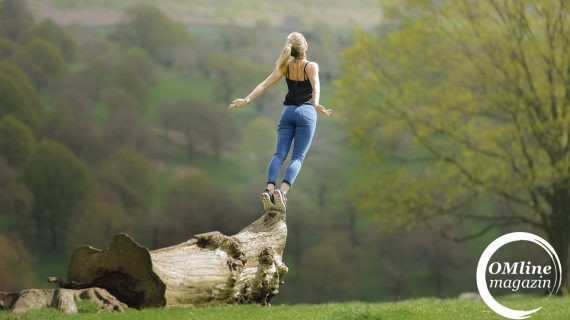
column 273, row 77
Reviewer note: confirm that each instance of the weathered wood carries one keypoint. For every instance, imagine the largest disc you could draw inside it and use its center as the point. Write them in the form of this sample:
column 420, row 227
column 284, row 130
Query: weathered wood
column 61, row 299
column 210, row 268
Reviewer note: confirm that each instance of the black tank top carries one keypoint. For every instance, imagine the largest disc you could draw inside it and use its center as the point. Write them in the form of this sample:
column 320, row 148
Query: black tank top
column 300, row 91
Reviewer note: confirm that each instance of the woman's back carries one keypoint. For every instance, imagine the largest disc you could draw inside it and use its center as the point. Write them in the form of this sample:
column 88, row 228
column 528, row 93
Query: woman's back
column 297, row 70
column 300, row 88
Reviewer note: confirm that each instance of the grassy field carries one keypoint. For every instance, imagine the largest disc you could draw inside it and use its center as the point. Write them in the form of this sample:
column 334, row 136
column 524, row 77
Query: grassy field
column 427, row 308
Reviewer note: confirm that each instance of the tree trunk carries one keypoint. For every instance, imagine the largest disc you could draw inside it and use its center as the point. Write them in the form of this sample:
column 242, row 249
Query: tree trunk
column 210, row 268
column 559, row 231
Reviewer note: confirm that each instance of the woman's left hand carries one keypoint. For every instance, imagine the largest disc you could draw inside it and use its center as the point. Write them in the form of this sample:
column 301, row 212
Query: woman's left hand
column 323, row 110
column 238, row 103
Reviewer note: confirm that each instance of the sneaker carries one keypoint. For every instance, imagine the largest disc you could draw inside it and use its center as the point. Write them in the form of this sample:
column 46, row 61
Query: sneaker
column 280, row 200
column 267, row 200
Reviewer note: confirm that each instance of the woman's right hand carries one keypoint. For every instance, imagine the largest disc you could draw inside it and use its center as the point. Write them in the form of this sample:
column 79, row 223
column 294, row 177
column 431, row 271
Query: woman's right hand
column 323, row 110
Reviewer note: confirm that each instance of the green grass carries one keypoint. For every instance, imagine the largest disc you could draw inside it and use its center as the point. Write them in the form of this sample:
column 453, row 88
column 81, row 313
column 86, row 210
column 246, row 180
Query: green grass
column 426, row 308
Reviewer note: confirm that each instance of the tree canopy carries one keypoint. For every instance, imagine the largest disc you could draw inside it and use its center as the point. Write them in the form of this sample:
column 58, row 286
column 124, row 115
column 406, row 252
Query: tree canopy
column 471, row 101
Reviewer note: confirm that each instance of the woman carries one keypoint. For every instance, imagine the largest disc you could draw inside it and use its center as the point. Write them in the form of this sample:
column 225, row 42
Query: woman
column 299, row 118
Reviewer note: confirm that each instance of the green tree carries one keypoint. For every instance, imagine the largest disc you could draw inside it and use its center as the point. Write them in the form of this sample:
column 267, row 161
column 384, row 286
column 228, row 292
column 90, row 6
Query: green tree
column 149, row 28
column 193, row 204
column 83, row 137
column 17, row 141
column 199, row 123
column 23, row 81
column 233, row 76
column 471, row 100
column 46, row 56
column 257, row 143
column 60, row 183
column 134, row 73
column 15, row 18
column 17, row 97
column 51, row 32
column 15, row 266
column 130, row 175
column 16, row 202
column 101, row 220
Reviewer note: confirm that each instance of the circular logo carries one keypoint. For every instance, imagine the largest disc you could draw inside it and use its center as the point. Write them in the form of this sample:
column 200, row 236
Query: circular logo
column 486, row 257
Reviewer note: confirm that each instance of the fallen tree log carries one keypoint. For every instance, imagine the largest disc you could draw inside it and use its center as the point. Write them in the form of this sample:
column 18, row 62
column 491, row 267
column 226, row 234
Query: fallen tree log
column 210, row 268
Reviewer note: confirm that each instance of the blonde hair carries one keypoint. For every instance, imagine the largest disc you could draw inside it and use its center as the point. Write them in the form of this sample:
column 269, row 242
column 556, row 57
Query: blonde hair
column 295, row 46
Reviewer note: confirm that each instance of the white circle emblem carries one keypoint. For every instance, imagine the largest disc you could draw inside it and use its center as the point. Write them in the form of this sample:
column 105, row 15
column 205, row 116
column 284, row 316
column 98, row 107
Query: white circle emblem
column 484, row 261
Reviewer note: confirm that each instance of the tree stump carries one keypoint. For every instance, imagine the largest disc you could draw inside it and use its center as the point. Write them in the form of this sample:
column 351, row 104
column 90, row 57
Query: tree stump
column 210, row 268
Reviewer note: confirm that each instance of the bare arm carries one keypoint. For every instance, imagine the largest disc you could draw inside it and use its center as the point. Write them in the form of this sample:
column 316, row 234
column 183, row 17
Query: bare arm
column 264, row 85
column 313, row 72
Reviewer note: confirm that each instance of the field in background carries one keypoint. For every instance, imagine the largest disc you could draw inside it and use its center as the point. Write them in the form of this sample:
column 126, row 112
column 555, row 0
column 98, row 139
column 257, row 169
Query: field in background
column 274, row 13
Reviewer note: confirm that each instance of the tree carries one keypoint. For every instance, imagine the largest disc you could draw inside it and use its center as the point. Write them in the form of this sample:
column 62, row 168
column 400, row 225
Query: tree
column 257, row 143
column 185, row 202
column 47, row 57
column 15, row 18
column 17, row 97
column 17, row 141
column 147, row 27
column 60, row 183
column 199, row 123
column 129, row 174
column 471, row 99
column 100, row 221
column 15, row 270
column 134, row 73
column 81, row 136
column 233, row 76
column 51, row 32
column 16, row 203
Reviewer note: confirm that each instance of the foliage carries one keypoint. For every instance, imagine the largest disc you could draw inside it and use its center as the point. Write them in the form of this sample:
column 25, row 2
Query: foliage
column 129, row 174
column 51, row 32
column 193, row 204
column 232, row 75
column 150, row 29
column 15, row 271
column 257, row 142
column 16, row 97
column 104, row 216
column 16, row 202
column 45, row 61
column 134, row 73
column 200, row 123
column 17, row 141
column 15, row 18
column 471, row 98
column 59, row 182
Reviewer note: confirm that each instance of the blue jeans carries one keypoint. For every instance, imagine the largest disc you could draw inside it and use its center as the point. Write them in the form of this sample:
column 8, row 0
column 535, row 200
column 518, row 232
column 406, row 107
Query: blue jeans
column 297, row 123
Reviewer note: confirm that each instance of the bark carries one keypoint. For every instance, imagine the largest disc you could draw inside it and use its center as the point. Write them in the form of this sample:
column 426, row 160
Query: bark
column 559, row 230
column 61, row 299
column 210, row 268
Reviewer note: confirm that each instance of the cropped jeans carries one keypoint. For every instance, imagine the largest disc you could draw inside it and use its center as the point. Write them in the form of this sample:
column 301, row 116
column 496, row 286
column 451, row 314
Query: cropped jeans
column 297, row 123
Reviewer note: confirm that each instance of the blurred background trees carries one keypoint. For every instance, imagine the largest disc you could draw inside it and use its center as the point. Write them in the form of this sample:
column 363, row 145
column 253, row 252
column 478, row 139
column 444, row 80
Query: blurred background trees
column 121, row 125
column 478, row 93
